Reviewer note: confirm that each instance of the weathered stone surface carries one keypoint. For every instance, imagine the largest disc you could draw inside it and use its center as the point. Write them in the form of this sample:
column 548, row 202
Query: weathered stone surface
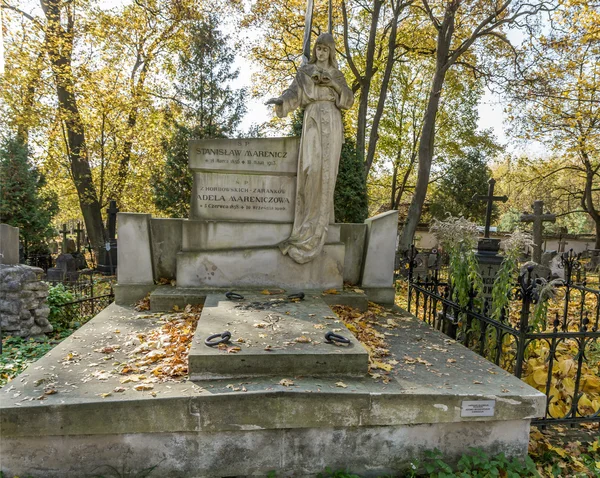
column 270, row 327
column 129, row 294
column 10, row 322
column 378, row 268
column 166, row 243
column 35, row 330
column 222, row 235
column 36, row 286
column 9, row 244
column 243, row 197
column 41, row 321
column 255, row 155
column 22, row 299
column 11, row 286
column 10, row 307
column 260, row 267
column 42, row 312
column 134, row 253
column 353, row 236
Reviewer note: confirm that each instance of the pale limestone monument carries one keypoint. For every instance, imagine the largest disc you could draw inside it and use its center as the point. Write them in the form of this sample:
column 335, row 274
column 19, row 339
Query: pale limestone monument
column 320, row 88
column 261, row 211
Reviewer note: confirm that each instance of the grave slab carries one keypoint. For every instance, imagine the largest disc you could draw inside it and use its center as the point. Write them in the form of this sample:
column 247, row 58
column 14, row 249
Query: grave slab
column 192, row 429
column 274, row 336
column 260, row 267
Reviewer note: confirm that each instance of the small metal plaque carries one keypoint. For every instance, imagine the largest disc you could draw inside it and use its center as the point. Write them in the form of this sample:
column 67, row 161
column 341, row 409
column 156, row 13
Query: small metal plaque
column 477, row 408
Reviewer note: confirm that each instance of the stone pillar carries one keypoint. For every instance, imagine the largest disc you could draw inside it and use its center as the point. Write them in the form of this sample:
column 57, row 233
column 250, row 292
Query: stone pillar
column 353, row 236
column 378, row 265
column 135, row 276
column 9, row 244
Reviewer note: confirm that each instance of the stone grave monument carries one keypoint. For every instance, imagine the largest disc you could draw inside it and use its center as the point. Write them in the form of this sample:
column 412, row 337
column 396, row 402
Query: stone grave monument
column 9, row 244
column 487, row 248
column 541, row 268
column 284, row 384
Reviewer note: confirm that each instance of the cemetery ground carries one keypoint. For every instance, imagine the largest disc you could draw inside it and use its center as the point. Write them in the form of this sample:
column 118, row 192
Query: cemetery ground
column 144, row 357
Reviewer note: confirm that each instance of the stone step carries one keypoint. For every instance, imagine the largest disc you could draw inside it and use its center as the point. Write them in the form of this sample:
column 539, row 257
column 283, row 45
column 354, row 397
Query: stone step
column 165, row 297
column 272, row 336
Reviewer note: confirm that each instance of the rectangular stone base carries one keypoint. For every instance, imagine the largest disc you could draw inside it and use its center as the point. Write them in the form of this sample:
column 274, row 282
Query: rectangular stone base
column 129, row 294
column 274, row 336
column 260, row 267
column 381, row 295
column 223, row 235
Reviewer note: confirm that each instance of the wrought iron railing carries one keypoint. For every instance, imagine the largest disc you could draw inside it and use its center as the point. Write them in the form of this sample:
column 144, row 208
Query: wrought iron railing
column 559, row 354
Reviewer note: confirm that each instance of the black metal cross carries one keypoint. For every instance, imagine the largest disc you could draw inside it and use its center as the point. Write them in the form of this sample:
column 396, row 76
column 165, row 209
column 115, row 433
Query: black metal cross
column 64, row 233
column 112, row 219
column 490, row 198
column 78, row 231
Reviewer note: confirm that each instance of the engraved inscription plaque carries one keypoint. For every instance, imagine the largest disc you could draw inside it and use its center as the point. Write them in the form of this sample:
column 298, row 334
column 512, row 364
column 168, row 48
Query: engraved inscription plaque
column 244, row 179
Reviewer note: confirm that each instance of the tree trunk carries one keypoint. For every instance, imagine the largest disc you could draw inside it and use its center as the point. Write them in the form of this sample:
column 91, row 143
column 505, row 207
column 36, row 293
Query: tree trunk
column 365, row 84
column 426, row 143
column 59, row 44
column 374, row 135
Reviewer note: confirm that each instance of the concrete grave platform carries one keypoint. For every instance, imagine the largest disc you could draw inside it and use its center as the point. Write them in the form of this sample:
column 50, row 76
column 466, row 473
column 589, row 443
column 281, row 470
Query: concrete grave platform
column 273, row 336
column 254, row 426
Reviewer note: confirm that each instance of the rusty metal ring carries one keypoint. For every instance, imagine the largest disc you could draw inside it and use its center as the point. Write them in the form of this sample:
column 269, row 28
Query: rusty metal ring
column 225, row 337
column 331, row 337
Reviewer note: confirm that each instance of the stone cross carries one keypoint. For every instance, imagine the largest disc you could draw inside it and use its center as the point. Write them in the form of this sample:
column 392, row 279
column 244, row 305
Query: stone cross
column 490, row 198
column 537, row 218
column 112, row 219
column 64, row 233
column 562, row 242
column 78, row 231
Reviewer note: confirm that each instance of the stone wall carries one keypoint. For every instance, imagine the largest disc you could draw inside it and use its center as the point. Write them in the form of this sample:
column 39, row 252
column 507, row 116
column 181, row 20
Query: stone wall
column 23, row 301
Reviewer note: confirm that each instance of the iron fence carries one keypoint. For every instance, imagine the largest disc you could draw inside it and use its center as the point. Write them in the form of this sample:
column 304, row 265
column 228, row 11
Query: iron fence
column 555, row 349
column 90, row 296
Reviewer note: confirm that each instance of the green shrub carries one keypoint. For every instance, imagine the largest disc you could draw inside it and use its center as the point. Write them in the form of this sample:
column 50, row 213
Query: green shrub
column 61, row 316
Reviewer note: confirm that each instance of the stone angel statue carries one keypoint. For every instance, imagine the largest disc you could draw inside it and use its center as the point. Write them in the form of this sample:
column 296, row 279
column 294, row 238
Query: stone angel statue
column 320, row 88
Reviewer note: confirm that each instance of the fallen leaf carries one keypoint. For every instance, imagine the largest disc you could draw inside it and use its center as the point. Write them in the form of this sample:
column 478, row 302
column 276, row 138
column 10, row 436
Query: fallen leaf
column 331, row 291
column 143, row 387
column 119, row 389
column 104, row 395
column 303, row 339
column 341, row 385
column 286, row 382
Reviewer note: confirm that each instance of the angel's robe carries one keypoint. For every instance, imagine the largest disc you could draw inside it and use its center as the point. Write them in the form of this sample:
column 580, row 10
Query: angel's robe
column 318, row 159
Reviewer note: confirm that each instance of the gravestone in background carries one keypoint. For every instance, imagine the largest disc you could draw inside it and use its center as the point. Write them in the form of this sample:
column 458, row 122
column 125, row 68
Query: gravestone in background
column 9, row 244
column 537, row 218
column 487, row 256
